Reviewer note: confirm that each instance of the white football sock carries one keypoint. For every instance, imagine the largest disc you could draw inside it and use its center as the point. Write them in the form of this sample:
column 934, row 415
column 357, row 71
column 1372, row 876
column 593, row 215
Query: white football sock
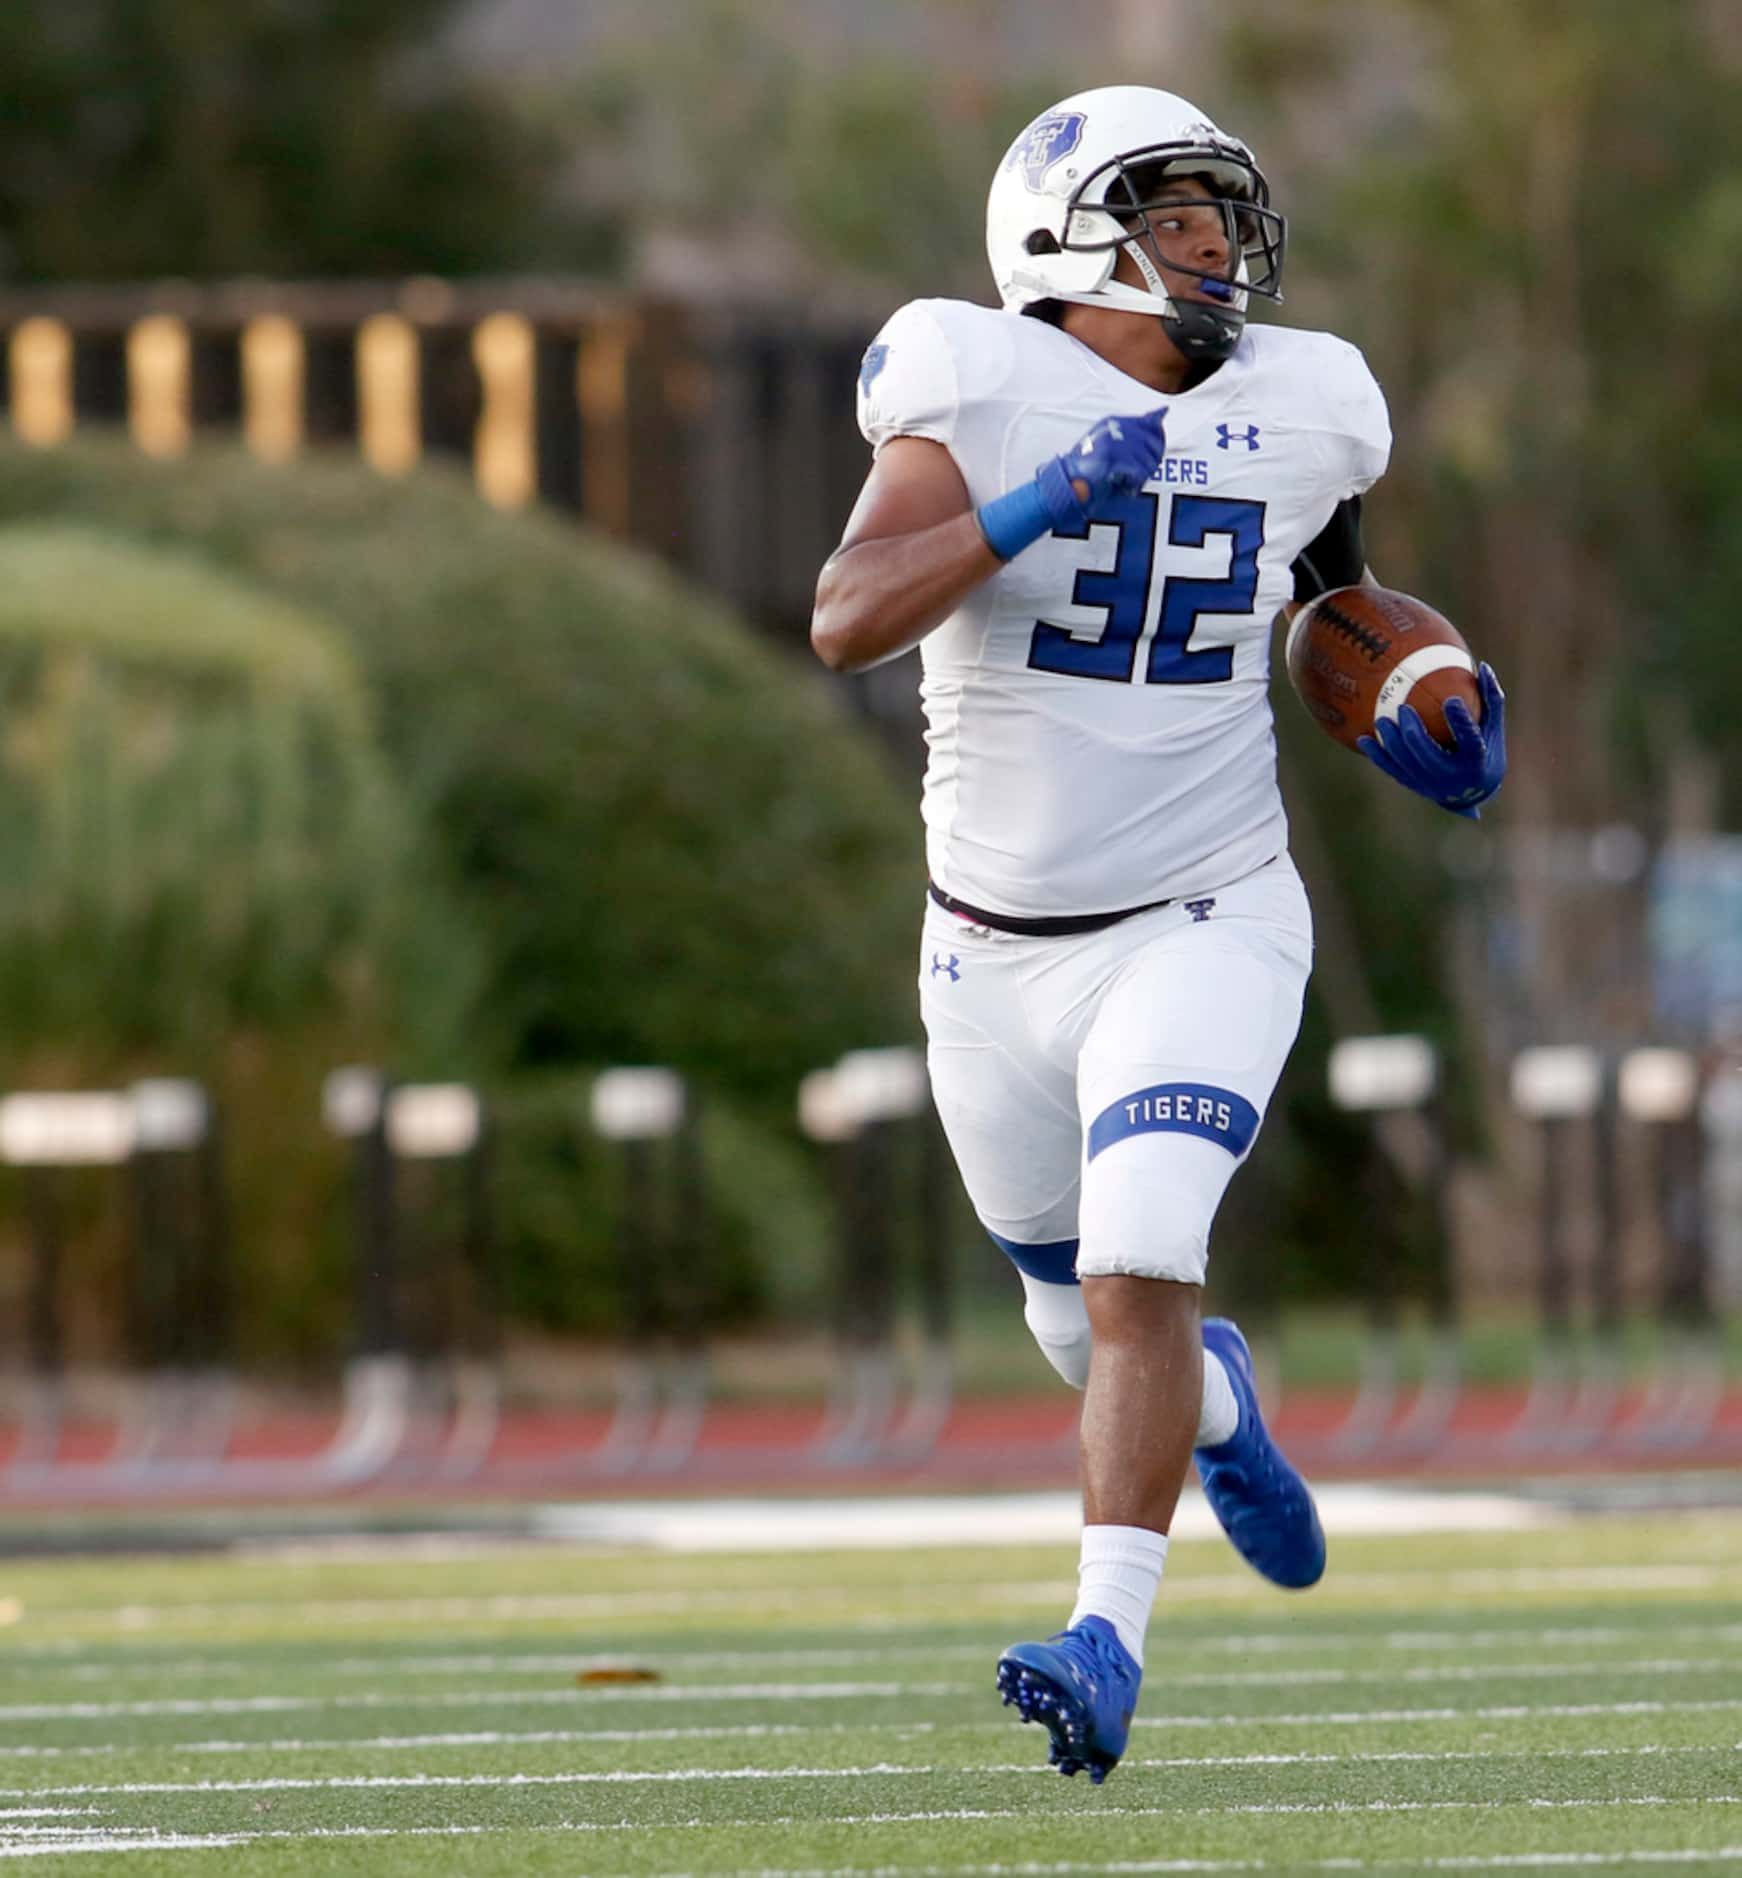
column 1118, row 1578
column 1220, row 1414
column 1060, row 1325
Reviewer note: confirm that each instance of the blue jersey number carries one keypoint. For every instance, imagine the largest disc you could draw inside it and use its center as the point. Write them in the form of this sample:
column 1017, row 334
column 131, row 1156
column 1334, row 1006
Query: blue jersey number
column 1122, row 592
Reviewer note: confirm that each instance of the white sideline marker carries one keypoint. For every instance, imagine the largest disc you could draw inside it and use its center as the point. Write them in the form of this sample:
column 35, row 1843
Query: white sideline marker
column 70, row 1130
column 1381, row 1073
column 637, row 1104
column 899, row 1522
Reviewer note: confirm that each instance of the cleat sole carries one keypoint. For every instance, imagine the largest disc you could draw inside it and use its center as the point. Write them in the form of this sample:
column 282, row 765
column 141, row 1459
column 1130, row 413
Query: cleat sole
column 1036, row 1700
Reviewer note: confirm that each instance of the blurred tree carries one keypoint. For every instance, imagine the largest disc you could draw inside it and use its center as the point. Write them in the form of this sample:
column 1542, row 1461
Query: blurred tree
column 868, row 176
column 1530, row 219
column 199, row 833
column 291, row 137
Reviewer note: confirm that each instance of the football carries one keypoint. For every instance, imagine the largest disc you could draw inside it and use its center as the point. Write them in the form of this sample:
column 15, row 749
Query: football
column 1358, row 654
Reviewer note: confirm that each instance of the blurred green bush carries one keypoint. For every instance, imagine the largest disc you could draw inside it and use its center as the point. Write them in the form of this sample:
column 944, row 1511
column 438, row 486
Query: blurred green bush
column 198, row 829
column 207, row 868
column 676, row 846
column 328, row 767
column 764, row 1247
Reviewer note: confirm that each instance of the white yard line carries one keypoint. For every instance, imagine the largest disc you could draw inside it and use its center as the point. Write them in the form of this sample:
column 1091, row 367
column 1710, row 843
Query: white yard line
column 1393, row 1717
column 496, row 1738
column 103, row 1844
column 610, row 1777
column 482, row 1737
column 486, row 1698
column 1349, row 1718
column 1319, row 1808
column 1428, row 1585
column 515, row 1607
column 108, row 1667
column 122, row 1840
column 657, row 1692
column 1501, row 1861
column 143, row 1839
column 625, row 1777
column 1719, row 1855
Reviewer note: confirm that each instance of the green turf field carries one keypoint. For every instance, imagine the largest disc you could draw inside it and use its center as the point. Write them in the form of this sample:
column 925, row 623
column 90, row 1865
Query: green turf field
column 1556, row 1700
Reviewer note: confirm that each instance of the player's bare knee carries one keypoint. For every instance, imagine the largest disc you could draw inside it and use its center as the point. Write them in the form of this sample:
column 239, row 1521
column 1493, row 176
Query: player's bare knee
column 1122, row 1305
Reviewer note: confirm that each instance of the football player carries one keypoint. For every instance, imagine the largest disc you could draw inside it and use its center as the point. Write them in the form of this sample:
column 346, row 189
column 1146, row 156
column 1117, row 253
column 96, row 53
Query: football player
column 1087, row 508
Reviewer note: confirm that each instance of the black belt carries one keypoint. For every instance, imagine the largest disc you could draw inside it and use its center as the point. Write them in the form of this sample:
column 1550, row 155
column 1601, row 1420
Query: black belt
column 1037, row 928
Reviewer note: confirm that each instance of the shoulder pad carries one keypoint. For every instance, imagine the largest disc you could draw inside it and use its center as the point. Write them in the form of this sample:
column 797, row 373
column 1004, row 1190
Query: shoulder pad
column 907, row 379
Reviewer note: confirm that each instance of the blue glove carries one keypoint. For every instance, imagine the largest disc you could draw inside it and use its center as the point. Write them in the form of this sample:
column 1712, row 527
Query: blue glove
column 1118, row 453
column 1457, row 779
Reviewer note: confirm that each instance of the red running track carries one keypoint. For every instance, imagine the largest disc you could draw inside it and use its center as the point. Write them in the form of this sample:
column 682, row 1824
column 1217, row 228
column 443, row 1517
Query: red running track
column 996, row 1444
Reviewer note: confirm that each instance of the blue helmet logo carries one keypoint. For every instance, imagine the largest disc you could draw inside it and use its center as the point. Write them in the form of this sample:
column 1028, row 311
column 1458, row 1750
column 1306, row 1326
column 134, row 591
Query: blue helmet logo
column 1045, row 142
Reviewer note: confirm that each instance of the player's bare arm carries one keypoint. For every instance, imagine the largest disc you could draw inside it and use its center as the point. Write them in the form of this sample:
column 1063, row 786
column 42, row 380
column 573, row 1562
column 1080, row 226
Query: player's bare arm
column 912, row 552
column 935, row 550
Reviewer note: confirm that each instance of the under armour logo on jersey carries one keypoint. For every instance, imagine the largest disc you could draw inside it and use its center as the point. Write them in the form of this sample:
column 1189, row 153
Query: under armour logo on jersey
column 1227, row 436
column 876, row 357
column 940, row 966
column 1199, row 909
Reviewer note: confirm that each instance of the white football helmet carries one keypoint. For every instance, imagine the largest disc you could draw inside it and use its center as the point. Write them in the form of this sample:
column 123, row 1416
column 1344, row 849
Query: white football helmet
column 1071, row 194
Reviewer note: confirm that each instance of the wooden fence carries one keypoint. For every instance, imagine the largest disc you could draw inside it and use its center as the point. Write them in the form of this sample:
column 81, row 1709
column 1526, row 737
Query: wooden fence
column 721, row 441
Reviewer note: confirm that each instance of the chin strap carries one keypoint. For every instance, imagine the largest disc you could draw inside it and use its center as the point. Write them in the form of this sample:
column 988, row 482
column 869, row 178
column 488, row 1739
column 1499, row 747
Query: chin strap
column 1146, row 267
column 1203, row 332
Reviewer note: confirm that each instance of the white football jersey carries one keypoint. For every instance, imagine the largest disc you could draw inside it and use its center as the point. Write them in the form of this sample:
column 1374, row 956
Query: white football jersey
column 1098, row 714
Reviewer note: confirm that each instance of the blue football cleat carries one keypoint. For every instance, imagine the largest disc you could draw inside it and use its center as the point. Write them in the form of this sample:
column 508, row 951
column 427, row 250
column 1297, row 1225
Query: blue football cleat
column 1263, row 1504
column 1083, row 1685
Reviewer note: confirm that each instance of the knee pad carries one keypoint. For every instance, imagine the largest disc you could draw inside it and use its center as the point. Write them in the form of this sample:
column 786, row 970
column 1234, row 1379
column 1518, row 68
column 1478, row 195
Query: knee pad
column 1060, row 1325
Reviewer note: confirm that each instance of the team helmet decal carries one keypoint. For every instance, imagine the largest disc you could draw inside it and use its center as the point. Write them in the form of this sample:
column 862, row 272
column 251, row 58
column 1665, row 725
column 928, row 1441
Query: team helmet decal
column 1064, row 206
column 1048, row 140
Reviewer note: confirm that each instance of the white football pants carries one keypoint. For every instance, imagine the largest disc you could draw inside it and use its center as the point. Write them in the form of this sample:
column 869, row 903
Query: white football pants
column 1098, row 1091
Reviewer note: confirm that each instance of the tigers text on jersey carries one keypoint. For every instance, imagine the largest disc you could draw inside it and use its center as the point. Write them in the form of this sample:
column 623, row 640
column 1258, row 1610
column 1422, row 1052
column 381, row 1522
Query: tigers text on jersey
column 1098, row 712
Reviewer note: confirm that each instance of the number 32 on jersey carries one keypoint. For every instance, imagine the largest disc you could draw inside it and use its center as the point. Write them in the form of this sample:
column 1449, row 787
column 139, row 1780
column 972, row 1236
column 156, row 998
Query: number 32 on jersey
column 1121, row 592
